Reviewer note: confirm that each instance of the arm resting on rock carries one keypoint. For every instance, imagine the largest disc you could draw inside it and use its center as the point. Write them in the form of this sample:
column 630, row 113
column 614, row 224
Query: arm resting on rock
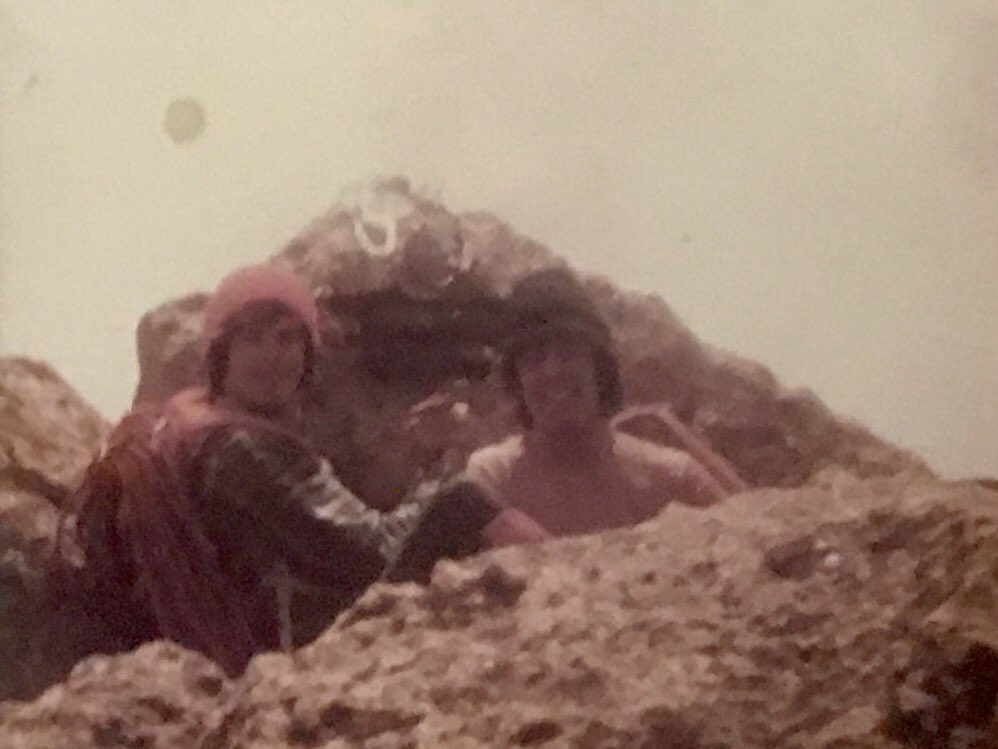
column 462, row 521
column 287, row 503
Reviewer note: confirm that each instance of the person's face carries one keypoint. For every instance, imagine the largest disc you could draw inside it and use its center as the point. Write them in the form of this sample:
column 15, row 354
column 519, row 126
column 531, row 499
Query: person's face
column 558, row 381
column 266, row 362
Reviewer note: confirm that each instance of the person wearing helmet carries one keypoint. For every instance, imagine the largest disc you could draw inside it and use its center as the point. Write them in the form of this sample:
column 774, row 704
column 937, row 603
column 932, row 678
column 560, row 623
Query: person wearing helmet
column 569, row 471
column 207, row 520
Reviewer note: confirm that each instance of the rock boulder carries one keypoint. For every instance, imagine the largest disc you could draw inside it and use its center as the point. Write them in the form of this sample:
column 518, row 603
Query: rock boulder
column 855, row 614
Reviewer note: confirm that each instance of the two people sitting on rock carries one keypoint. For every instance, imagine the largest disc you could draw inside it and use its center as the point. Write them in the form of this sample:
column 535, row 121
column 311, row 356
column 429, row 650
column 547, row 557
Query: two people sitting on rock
column 209, row 520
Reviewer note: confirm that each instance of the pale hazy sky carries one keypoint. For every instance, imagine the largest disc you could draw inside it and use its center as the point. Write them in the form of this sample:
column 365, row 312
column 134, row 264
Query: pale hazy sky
column 811, row 184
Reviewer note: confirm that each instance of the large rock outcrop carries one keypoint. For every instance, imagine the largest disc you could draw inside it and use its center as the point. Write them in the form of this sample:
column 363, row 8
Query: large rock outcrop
column 853, row 614
column 419, row 293
column 48, row 434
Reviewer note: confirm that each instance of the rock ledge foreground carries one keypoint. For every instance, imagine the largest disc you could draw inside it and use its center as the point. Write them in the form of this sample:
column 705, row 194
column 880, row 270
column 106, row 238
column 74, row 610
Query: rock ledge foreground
column 860, row 614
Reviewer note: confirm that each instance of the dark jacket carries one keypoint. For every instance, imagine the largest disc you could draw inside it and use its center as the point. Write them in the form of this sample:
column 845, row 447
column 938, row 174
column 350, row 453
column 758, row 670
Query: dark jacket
column 197, row 521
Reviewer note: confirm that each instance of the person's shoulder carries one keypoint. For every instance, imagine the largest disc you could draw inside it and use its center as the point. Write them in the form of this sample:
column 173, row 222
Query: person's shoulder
column 491, row 465
column 665, row 466
column 643, row 454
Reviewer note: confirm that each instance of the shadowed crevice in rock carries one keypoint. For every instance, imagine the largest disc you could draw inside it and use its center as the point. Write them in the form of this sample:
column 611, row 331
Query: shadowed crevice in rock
column 338, row 720
column 942, row 697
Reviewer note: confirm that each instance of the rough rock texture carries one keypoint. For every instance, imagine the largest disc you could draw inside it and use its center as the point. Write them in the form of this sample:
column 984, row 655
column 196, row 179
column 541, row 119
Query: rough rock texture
column 419, row 294
column 854, row 613
column 48, row 434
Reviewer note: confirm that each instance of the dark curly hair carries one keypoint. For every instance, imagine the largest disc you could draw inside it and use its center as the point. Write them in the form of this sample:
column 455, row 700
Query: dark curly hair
column 552, row 305
column 251, row 315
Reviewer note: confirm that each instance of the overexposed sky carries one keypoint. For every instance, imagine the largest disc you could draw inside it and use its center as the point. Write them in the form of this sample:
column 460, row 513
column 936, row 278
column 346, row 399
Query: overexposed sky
column 812, row 184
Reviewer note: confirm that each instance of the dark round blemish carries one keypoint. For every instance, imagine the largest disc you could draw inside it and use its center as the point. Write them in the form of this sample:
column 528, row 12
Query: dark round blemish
column 501, row 586
column 375, row 233
column 184, row 119
column 794, row 560
column 210, row 685
column 537, row 733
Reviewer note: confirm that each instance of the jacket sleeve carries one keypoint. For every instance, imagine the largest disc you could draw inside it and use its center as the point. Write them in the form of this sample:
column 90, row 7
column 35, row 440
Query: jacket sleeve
column 268, row 495
column 450, row 527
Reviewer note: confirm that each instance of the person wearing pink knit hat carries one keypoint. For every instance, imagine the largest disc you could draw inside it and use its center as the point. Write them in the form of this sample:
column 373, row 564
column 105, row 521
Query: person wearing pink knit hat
column 207, row 520
column 256, row 283
column 261, row 330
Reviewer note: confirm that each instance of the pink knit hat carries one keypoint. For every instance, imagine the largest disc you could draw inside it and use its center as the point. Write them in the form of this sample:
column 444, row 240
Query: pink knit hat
column 259, row 283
